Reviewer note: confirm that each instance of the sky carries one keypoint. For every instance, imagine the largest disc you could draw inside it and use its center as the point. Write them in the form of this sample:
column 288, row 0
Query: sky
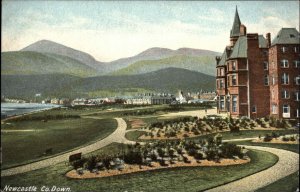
column 109, row 30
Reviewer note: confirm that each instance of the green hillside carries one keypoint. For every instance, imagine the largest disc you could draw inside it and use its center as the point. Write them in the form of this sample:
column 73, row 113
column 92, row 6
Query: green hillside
column 164, row 80
column 203, row 64
column 168, row 80
column 29, row 63
column 26, row 86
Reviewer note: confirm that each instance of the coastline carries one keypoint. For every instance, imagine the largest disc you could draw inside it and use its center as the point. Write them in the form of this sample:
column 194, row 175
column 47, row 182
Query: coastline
column 21, row 110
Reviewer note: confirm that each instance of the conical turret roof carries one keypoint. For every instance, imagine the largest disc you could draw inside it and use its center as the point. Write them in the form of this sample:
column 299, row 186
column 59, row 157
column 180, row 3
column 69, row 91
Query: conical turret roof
column 235, row 31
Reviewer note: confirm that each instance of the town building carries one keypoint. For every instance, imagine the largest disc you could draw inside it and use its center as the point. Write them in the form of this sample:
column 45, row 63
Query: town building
column 151, row 99
column 257, row 78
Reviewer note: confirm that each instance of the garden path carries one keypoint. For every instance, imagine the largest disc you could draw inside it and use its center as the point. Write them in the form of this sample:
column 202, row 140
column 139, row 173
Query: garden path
column 287, row 164
column 117, row 136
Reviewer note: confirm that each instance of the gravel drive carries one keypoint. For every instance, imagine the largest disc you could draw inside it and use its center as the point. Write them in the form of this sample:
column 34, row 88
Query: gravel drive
column 288, row 163
column 117, row 136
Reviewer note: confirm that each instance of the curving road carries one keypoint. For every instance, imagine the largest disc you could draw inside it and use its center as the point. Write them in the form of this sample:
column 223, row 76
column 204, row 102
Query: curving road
column 117, row 136
column 287, row 164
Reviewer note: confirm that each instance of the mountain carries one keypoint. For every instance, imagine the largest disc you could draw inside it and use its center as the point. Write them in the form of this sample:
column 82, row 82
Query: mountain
column 102, row 68
column 157, row 53
column 164, row 80
column 46, row 46
column 29, row 62
column 26, row 86
column 204, row 64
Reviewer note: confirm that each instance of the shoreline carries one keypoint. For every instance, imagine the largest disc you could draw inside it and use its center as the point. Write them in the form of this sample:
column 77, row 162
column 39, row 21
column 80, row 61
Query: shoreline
column 37, row 110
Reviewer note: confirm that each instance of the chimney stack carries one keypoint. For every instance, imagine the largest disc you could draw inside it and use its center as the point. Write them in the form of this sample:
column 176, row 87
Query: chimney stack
column 243, row 30
column 268, row 36
column 218, row 58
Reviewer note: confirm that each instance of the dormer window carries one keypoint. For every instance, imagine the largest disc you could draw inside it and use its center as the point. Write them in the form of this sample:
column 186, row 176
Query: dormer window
column 292, row 36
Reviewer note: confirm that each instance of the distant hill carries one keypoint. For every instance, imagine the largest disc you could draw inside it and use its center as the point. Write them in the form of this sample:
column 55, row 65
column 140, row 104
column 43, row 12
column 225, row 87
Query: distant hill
column 46, row 46
column 164, row 80
column 28, row 62
column 26, row 86
column 203, row 64
column 157, row 53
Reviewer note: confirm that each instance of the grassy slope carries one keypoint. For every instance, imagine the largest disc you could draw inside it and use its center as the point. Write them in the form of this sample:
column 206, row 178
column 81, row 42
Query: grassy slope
column 62, row 85
column 178, row 179
column 61, row 135
column 203, row 64
column 49, row 85
column 29, row 62
column 165, row 80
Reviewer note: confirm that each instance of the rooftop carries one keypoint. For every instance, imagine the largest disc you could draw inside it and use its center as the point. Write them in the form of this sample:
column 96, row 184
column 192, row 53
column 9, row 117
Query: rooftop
column 287, row 36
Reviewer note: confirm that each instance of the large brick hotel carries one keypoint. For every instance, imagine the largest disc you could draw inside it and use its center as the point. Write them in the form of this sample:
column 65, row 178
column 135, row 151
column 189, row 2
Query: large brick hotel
column 257, row 77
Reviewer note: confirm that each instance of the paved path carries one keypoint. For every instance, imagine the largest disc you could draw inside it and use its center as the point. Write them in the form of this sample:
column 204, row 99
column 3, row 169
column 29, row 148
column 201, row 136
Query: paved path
column 288, row 163
column 117, row 136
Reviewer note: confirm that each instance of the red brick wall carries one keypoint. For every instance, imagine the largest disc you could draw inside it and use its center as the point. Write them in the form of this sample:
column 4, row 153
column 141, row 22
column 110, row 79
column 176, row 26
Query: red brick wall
column 259, row 93
column 276, row 56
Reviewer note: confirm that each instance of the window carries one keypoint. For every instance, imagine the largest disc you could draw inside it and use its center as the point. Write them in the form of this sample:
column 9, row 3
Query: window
column 297, row 80
column 297, row 113
column 285, row 94
column 273, row 80
column 221, row 83
column 297, row 96
column 284, row 63
column 296, row 49
column 266, row 79
column 222, row 72
column 297, row 64
column 233, row 80
column 222, row 102
column 274, row 109
column 228, row 78
column 253, row 109
column 233, row 66
column 265, row 52
column 285, row 79
column 234, row 103
column 286, row 109
column 283, row 49
column 266, row 65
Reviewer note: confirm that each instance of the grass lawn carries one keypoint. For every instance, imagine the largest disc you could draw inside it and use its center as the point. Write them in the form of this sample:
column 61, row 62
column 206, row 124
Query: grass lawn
column 289, row 147
column 289, row 183
column 177, row 179
column 61, row 135
column 134, row 135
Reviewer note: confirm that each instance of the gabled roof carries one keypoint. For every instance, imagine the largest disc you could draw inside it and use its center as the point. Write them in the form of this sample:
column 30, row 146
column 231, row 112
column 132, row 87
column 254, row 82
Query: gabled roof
column 235, row 31
column 240, row 48
column 262, row 42
column 287, row 36
column 224, row 56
